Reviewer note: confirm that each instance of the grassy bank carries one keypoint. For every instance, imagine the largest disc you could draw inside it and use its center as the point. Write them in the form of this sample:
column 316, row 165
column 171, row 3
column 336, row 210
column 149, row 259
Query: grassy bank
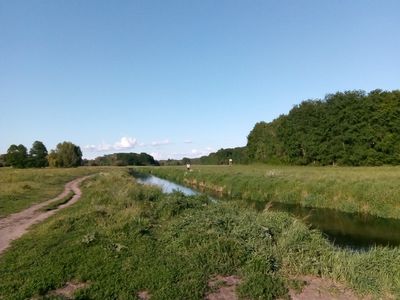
column 122, row 238
column 20, row 188
column 372, row 190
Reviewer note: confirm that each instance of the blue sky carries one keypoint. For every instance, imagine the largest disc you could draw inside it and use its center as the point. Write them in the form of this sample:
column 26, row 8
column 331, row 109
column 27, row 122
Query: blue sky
column 181, row 78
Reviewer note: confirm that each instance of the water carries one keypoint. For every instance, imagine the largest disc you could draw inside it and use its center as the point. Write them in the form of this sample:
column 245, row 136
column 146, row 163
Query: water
column 165, row 185
column 346, row 230
column 355, row 231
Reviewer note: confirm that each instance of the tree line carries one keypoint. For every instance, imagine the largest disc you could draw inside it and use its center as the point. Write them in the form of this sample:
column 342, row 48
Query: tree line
column 65, row 155
column 221, row 157
column 346, row 128
column 123, row 159
column 351, row 128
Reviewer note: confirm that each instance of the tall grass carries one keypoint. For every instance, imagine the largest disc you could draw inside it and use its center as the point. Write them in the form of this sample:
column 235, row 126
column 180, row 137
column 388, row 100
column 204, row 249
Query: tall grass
column 122, row 238
column 370, row 190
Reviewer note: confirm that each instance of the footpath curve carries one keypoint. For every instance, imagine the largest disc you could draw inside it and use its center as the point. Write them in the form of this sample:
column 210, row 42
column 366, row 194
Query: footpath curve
column 15, row 225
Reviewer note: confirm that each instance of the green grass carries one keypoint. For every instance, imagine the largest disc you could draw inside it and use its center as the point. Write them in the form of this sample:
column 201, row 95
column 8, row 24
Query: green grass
column 122, row 238
column 372, row 190
column 56, row 204
column 20, row 188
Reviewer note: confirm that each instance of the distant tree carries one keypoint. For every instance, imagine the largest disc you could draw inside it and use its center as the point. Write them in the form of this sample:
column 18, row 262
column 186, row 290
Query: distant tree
column 124, row 159
column 66, row 155
column 38, row 155
column 3, row 162
column 52, row 159
column 186, row 160
column 170, row 162
column 17, row 156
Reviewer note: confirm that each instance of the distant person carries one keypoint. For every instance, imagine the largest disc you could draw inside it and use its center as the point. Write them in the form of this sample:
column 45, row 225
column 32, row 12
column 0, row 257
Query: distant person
column 230, row 162
column 188, row 167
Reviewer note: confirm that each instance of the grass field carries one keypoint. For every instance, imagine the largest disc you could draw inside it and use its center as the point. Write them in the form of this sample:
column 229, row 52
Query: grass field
column 123, row 238
column 20, row 188
column 372, row 190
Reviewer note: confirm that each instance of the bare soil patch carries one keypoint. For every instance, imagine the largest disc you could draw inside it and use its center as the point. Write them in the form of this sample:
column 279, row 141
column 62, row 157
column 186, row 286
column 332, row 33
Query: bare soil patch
column 144, row 295
column 69, row 289
column 323, row 289
column 224, row 288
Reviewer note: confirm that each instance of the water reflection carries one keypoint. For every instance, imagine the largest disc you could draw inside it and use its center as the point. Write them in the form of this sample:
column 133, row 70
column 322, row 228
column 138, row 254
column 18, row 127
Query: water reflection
column 343, row 229
column 165, row 185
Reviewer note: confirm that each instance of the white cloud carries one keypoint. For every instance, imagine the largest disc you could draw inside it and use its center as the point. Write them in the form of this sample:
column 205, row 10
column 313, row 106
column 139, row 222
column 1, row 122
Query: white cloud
column 157, row 155
column 98, row 148
column 124, row 143
column 127, row 143
column 160, row 143
column 90, row 147
column 200, row 152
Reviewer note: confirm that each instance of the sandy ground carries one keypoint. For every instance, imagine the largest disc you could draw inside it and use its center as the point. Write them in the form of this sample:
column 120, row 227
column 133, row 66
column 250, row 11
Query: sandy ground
column 224, row 288
column 15, row 225
column 324, row 289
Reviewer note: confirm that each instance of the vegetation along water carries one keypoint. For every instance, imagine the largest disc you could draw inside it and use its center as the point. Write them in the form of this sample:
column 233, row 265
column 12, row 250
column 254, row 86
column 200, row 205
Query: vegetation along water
column 363, row 190
column 123, row 239
column 350, row 230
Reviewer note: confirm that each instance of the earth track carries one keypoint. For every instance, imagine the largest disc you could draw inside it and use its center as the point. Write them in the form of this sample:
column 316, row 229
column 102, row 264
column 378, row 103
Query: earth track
column 15, row 225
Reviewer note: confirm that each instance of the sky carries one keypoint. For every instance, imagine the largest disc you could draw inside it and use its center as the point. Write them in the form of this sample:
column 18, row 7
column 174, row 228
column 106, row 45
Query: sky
column 181, row 78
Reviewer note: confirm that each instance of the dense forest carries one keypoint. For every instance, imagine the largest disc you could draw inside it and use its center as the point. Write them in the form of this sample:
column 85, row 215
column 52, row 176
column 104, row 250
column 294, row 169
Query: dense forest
column 347, row 128
column 123, row 159
column 350, row 128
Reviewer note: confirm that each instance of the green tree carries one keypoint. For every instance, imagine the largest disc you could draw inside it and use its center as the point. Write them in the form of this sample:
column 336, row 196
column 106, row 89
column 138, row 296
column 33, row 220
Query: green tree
column 124, row 159
column 66, row 155
column 17, row 156
column 345, row 128
column 52, row 159
column 38, row 155
column 3, row 162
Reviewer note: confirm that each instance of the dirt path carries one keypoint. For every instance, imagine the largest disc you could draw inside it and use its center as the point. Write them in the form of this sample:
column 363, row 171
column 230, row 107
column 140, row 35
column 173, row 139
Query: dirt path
column 15, row 225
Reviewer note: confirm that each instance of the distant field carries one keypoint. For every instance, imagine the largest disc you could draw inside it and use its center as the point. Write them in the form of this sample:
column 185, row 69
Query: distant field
column 373, row 190
column 123, row 240
column 20, row 188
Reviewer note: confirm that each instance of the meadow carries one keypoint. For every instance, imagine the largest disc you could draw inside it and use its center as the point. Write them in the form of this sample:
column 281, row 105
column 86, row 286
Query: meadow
column 20, row 188
column 365, row 190
column 122, row 240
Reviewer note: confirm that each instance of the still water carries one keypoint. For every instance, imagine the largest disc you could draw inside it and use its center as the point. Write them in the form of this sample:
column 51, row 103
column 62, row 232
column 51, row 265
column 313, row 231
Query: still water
column 165, row 185
column 354, row 231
